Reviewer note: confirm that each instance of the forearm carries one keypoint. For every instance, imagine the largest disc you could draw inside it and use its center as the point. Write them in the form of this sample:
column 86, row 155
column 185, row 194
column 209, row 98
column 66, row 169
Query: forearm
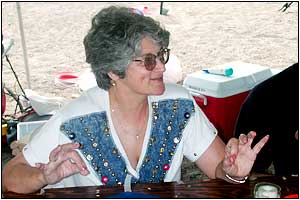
column 22, row 178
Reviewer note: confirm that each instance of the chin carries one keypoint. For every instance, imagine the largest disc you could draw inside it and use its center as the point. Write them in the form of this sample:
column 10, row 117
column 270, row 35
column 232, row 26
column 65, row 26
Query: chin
column 159, row 90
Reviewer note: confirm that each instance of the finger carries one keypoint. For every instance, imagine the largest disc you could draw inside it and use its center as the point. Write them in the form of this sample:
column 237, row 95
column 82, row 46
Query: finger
column 60, row 157
column 54, row 152
column 84, row 172
column 260, row 144
column 21, row 146
column 77, row 166
column 14, row 144
column 15, row 152
column 233, row 145
column 251, row 135
column 61, row 149
column 40, row 166
column 243, row 139
column 70, row 146
column 227, row 152
column 227, row 164
column 72, row 161
column 75, row 159
column 68, row 154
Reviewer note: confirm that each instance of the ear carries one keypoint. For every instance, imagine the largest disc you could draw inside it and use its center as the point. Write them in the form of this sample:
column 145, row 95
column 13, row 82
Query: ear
column 113, row 76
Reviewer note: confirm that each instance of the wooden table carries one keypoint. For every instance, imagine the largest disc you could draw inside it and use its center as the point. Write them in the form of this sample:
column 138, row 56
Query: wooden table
column 193, row 189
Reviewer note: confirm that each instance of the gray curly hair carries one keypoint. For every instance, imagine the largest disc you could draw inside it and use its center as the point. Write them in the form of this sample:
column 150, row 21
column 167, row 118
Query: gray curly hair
column 114, row 39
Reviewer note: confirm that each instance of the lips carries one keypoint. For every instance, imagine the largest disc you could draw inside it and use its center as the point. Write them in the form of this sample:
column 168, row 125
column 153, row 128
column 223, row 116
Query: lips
column 157, row 79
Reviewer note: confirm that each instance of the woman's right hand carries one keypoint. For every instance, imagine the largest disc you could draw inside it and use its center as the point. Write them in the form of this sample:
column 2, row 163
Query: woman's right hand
column 64, row 161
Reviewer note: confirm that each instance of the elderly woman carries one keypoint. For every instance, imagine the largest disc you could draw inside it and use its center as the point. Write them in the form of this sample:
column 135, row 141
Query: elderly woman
column 132, row 128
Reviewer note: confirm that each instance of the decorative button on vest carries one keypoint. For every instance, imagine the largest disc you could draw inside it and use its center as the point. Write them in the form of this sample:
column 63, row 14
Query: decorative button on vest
column 176, row 140
column 187, row 115
column 166, row 167
column 89, row 157
column 72, row 136
column 95, row 144
column 104, row 179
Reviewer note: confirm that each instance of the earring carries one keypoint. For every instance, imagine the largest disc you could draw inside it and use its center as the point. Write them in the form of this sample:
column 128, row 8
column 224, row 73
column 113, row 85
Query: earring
column 113, row 83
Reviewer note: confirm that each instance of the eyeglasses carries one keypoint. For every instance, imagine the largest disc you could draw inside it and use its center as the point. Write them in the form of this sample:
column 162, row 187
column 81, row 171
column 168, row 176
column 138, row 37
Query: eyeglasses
column 150, row 59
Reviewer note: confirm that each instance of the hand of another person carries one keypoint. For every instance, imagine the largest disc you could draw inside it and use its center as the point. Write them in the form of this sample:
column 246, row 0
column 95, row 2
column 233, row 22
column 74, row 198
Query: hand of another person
column 64, row 161
column 16, row 147
column 239, row 156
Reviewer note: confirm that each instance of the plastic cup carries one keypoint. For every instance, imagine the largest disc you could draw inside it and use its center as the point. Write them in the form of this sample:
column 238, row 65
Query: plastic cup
column 266, row 190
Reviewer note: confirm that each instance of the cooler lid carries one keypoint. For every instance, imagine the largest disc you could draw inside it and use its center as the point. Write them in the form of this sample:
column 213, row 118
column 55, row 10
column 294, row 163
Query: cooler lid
column 245, row 76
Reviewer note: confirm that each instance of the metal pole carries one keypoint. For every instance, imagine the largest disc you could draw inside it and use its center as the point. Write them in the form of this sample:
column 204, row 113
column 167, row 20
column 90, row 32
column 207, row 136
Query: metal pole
column 161, row 8
column 23, row 44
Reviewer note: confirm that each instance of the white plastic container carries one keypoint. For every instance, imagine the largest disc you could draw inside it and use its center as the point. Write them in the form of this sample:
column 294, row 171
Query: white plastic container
column 25, row 129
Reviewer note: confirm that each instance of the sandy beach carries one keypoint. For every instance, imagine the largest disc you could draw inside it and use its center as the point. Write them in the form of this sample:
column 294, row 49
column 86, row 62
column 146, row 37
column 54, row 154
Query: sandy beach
column 203, row 35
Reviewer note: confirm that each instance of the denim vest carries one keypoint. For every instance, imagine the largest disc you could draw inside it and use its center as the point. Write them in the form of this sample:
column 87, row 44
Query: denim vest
column 92, row 131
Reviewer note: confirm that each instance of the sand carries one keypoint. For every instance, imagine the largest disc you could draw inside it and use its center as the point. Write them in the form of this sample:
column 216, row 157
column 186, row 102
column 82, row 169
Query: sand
column 203, row 34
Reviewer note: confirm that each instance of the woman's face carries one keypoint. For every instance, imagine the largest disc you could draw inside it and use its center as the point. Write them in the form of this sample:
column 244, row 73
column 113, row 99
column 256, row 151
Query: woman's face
column 139, row 79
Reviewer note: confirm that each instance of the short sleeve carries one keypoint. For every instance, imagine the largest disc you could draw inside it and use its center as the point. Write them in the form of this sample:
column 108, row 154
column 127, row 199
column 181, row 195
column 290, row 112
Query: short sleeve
column 198, row 136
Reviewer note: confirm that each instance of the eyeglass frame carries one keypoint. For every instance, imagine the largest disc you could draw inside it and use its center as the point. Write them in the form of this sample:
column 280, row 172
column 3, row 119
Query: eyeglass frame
column 159, row 55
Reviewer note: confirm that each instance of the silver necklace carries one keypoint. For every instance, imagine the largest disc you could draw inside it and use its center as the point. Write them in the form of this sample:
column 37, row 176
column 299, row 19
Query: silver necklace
column 137, row 136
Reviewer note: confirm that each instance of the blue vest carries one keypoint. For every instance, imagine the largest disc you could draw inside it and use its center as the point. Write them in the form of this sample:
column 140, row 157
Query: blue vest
column 92, row 131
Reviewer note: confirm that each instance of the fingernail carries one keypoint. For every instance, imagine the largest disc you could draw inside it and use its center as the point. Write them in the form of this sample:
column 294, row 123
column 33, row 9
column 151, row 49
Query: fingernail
column 233, row 156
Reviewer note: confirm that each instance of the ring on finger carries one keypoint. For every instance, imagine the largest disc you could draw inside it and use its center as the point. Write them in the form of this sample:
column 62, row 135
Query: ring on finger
column 72, row 161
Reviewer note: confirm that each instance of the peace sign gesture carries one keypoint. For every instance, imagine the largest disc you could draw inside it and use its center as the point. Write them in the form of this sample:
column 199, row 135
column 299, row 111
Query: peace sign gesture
column 239, row 156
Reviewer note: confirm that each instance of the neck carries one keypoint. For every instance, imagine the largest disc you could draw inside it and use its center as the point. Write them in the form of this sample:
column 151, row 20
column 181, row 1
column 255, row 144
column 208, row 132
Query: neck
column 129, row 113
column 127, row 102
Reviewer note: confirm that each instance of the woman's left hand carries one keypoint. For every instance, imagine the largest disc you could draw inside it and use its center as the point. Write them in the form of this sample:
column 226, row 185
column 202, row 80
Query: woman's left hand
column 239, row 156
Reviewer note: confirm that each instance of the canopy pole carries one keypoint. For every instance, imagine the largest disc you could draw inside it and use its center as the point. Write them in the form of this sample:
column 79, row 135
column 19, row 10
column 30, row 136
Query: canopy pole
column 161, row 8
column 23, row 44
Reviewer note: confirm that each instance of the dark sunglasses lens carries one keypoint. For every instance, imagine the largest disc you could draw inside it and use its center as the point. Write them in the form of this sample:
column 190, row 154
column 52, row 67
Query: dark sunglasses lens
column 150, row 62
column 164, row 56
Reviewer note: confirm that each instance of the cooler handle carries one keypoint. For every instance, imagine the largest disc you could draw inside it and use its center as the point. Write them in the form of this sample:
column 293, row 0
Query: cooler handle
column 197, row 94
